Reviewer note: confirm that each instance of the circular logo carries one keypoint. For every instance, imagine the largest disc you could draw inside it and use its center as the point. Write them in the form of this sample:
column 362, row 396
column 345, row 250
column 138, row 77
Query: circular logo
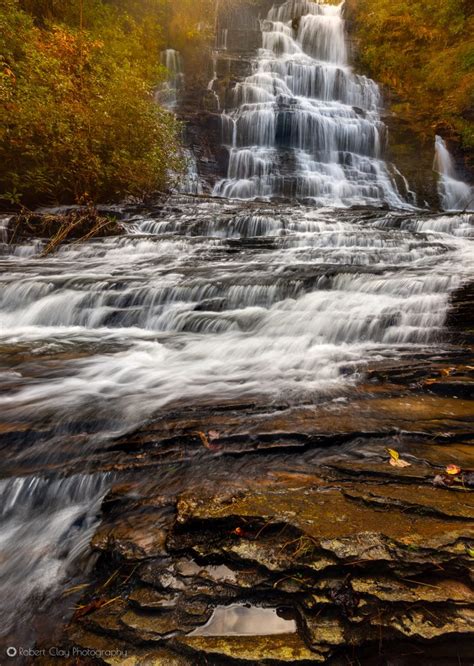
column 12, row 652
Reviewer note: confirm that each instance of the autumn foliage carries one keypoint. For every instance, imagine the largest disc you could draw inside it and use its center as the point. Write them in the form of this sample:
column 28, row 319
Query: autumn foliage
column 79, row 119
column 423, row 51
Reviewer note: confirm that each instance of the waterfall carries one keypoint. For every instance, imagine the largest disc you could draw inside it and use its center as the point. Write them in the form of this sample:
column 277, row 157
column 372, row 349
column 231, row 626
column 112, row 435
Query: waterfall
column 189, row 182
column 169, row 92
column 210, row 85
column 303, row 124
column 222, row 37
column 168, row 96
column 454, row 194
column 45, row 529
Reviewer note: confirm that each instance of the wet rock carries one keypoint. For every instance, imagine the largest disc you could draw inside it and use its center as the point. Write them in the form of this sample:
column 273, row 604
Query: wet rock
column 431, row 590
column 344, row 596
column 157, row 626
column 352, row 545
column 266, row 554
column 329, row 517
column 415, row 499
column 192, row 580
column 105, row 620
column 142, row 537
column 117, row 653
column 350, row 551
column 460, row 318
column 324, row 631
column 148, row 598
column 254, row 649
column 161, row 575
column 430, row 624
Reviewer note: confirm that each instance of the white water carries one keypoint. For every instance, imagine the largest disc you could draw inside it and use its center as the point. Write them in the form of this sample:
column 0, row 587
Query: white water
column 214, row 302
column 169, row 92
column 45, row 529
column 168, row 96
column 190, row 322
column 454, row 194
column 304, row 125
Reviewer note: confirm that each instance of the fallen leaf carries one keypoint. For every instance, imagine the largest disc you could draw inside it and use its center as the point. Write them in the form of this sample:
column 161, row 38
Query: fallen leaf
column 395, row 459
column 447, row 371
column 399, row 462
column 92, row 606
column 205, row 440
column 203, row 437
column 453, row 470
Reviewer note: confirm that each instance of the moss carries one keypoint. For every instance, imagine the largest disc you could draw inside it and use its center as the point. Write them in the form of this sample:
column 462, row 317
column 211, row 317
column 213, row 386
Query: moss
column 286, row 648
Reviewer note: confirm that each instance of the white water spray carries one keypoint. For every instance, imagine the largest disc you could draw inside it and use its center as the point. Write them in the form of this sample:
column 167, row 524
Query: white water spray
column 454, row 194
column 170, row 90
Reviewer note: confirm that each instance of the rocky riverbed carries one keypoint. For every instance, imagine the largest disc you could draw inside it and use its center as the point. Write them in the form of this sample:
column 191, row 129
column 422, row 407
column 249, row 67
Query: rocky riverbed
column 285, row 551
column 229, row 496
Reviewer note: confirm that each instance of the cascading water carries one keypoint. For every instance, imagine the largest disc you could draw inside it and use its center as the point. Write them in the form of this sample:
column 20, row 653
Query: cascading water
column 204, row 305
column 454, row 194
column 304, row 125
column 168, row 94
column 45, row 529
column 211, row 305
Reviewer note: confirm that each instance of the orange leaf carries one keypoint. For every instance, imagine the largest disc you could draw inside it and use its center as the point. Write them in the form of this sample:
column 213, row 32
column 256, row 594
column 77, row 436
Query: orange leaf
column 453, row 470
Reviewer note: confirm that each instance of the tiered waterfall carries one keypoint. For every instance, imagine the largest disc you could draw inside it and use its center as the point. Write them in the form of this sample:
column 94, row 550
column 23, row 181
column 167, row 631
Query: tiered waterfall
column 304, row 124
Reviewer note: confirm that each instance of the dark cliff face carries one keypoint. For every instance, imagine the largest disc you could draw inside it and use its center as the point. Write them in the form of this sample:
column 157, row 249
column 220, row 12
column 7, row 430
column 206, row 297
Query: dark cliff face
column 227, row 61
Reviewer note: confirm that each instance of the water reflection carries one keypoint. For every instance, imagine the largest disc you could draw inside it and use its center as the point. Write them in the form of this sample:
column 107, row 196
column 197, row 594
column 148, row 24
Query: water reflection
column 246, row 620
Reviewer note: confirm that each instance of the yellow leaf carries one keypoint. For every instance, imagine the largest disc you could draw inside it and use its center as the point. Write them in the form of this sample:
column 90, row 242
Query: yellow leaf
column 446, row 372
column 394, row 455
column 453, row 470
column 398, row 462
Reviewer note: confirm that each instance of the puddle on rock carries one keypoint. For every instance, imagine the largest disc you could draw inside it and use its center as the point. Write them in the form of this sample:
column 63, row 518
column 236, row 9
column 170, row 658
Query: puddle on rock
column 247, row 620
column 218, row 573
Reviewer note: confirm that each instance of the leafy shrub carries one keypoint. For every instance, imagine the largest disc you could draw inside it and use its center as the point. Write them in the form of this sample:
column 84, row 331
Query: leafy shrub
column 423, row 51
column 78, row 116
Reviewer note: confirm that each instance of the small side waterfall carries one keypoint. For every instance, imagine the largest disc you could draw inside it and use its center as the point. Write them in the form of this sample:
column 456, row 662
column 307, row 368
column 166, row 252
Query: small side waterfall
column 189, row 182
column 454, row 194
column 46, row 525
column 169, row 92
column 303, row 124
column 168, row 96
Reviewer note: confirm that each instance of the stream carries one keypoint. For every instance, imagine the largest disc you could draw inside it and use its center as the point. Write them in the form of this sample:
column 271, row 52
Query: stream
column 209, row 304
column 215, row 303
